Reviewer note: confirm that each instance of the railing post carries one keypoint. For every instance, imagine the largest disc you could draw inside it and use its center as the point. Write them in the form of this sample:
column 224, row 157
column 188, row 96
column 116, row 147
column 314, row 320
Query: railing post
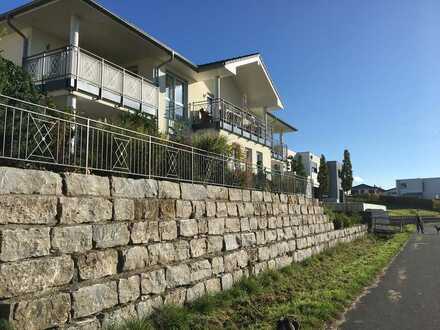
column 43, row 64
column 87, row 146
column 149, row 157
column 142, row 93
column 78, row 62
column 123, row 87
column 224, row 169
column 102, row 78
column 192, row 164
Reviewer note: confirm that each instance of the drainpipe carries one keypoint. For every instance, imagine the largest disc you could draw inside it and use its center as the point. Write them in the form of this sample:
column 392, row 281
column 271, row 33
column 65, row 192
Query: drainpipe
column 156, row 69
column 21, row 34
column 156, row 74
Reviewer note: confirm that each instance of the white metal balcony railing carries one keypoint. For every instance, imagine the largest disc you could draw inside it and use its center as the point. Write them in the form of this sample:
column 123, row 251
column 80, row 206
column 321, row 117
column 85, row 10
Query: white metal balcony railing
column 229, row 117
column 94, row 75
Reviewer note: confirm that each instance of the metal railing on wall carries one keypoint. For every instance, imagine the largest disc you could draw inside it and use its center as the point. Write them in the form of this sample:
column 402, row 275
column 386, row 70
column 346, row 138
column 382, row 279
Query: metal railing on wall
column 31, row 134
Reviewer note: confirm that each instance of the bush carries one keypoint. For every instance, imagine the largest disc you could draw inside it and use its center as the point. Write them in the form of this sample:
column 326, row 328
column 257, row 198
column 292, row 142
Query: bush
column 399, row 202
column 343, row 220
column 212, row 142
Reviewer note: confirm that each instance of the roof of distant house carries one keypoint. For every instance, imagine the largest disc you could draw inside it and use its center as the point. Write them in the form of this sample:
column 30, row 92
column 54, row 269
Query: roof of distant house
column 366, row 186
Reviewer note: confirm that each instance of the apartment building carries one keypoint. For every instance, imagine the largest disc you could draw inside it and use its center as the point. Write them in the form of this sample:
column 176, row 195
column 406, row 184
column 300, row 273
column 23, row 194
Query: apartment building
column 96, row 63
column 426, row 188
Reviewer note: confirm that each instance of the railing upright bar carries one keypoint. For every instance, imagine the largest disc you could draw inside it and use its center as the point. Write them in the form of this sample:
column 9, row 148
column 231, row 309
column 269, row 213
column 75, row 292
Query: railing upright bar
column 87, row 145
column 149, row 157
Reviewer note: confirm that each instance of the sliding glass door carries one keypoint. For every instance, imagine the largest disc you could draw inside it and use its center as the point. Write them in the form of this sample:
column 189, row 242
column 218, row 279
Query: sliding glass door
column 176, row 94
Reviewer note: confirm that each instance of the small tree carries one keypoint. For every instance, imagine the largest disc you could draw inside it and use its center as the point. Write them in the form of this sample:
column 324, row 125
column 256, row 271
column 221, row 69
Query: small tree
column 323, row 178
column 297, row 166
column 346, row 172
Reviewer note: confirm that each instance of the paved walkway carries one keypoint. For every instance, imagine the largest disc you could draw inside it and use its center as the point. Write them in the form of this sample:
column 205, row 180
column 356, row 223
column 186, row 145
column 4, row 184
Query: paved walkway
column 408, row 297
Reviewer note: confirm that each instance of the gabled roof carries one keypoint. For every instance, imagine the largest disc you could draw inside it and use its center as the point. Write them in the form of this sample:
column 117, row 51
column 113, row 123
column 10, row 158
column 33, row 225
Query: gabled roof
column 366, row 186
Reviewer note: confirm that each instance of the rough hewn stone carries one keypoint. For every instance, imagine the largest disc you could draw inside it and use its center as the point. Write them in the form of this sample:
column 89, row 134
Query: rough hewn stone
column 231, row 242
column 168, row 189
column 93, row 299
column 129, row 289
column 86, row 185
column 167, row 209
column 18, row 243
column 145, row 232
column 85, row 209
column 248, row 239
column 217, row 193
column 183, row 209
column 213, row 285
column 119, row 316
column 257, row 196
column 200, row 270
column 176, row 297
column 193, row 192
column 178, row 275
column 188, row 228
column 133, row 188
column 217, row 265
column 136, row 257
column 195, row 292
column 42, row 313
column 232, row 225
column 168, row 230
column 222, row 210
column 181, row 250
column 109, row 235
column 123, row 209
column 199, row 209
column 146, row 307
column 34, row 275
column 29, row 182
column 97, row 264
column 235, row 195
column 76, row 239
column 198, row 247
column 86, row 324
column 147, row 209
column 162, row 253
column 216, row 226
column 227, row 281
column 28, row 210
column 215, row 244
column 153, row 282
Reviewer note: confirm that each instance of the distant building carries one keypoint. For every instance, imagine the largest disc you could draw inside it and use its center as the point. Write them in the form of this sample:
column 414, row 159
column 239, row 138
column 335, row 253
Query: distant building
column 336, row 193
column 310, row 162
column 427, row 188
column 365, row 189
column 390, row 192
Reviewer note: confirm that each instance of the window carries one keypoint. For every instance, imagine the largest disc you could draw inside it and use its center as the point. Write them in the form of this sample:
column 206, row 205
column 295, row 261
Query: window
column 259, row 159
column 403, row 185
column 248, row 156
column 176, row 93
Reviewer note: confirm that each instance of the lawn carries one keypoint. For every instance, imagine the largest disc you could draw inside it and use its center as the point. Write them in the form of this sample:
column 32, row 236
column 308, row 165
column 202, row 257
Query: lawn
column 314, row 292
column 412, row 212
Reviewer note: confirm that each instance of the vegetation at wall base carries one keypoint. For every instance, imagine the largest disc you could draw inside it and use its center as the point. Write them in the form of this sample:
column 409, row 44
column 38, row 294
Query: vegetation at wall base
column 344, row 219
column 397, row 202
column 412, row 213
column 315, row 291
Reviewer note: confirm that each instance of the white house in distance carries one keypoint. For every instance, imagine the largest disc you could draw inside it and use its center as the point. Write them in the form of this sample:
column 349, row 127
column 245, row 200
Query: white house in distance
column 311, row 164
column 427, row 188
column 91, row 60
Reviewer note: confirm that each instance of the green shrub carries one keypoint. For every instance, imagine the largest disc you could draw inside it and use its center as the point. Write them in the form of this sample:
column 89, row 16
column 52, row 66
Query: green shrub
column 212, row 142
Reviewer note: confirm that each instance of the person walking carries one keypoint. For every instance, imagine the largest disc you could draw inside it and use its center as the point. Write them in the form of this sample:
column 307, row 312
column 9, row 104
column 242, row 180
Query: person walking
column 419, row 224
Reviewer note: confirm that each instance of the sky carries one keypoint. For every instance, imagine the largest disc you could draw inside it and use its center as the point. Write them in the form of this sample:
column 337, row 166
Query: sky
column 352, row 74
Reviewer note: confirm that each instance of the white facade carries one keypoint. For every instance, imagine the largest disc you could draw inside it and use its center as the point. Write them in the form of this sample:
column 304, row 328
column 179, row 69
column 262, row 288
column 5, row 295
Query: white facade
column 427, row 188
column 311, row 164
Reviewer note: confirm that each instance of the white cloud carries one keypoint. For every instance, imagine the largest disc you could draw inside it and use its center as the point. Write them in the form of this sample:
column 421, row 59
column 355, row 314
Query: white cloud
column 357, row 180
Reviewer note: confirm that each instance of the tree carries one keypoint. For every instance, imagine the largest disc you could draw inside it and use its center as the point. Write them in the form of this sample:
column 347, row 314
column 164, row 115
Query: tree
column 297, row 166
column 346, row 172
column 323, row 178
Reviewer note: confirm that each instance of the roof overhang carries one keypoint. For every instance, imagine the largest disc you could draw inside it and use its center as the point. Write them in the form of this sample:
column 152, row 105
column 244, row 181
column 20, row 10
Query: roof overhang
column 279, row 125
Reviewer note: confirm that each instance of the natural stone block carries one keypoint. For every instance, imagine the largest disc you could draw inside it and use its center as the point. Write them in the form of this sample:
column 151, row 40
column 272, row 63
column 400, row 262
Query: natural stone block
column 167, row 209
column 147, row 209
column 267, row 196
column 198, row 247
column 133, row 188
column 168, row 230
column 123, row 209
column 153, row 282
column 215, row 244
column 257, row 196
column 34, row 275
column 176, row 297
column 246, row 195
column 146, row 307
column 97, row 264
column 178, row 275
column 18, row 243
column 232, row 225
column 93, row 299
column 181, row 250
column 263, row 253
column 134, row 258
column 244, row 224
column 86, row 185
column 253, row 223
column 232, row 209
column 217, row 193
column 203, row 226
column 227, row 281
column 109, row 235
column 76, row 239
column 119, row 316
column 222, row 210
column 248, row 239
column 28, row 209
column 195, row 292
column 200, row 270
column 193, row 192
column 216, row 226
column 145, row 232
column 199, row 209
column 231, row 242
column 188, row 228
column 42, row 313
column 168, row 189
column 85, row 209
column 235, row 195
column 183, row 209
column 129, row 289
column 211, row 209
column 29, row 182
column 213, row 285
column 162, row 253
column 217, row 265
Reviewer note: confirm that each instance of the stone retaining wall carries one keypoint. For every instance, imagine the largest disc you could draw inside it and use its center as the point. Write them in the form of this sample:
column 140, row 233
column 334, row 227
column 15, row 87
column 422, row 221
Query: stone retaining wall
column 82, row 252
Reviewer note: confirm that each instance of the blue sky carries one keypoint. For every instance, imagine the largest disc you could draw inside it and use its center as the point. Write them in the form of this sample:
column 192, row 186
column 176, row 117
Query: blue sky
column 362, row 75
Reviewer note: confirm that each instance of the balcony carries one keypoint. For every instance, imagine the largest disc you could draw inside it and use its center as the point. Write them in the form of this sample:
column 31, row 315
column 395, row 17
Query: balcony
column 218, row 113
column 279, row 150
column 77, row 69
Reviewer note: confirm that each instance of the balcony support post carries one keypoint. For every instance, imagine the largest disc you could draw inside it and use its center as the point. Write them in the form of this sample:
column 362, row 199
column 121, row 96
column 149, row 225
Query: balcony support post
column 73, row 47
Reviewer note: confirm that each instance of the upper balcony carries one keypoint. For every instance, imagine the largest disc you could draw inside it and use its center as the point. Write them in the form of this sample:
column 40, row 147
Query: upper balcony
column 74, row 68
column 219, row 113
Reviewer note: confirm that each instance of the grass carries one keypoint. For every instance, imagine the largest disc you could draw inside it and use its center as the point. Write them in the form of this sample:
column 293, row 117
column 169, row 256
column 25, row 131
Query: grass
column 314, row 292
column 412, row 212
